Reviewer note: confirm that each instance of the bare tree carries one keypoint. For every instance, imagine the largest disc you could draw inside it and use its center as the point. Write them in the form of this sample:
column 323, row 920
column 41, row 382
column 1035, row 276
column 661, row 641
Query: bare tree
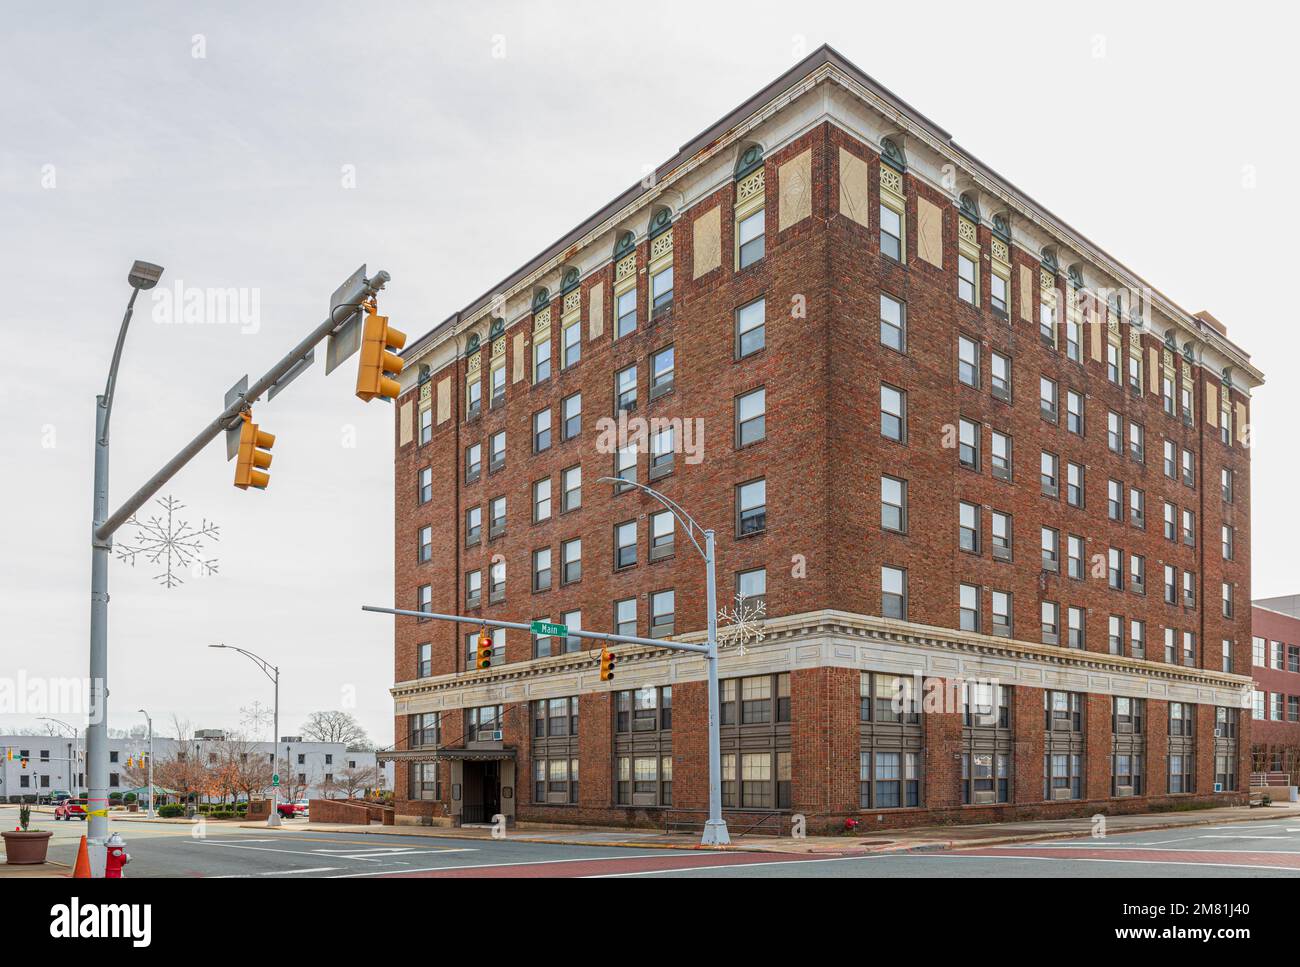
column 336, row 727
column 352, row 781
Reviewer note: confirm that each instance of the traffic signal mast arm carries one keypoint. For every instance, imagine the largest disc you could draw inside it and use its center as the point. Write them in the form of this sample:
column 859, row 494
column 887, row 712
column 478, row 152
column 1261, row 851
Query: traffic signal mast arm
column 519, row 626
column 363, row 292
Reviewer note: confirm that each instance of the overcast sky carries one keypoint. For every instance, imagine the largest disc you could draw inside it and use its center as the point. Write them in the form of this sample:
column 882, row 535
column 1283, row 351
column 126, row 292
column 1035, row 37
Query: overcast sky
column 273, row 147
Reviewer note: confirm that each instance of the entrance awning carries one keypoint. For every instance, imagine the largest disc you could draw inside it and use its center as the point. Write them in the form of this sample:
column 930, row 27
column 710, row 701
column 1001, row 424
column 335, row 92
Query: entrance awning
column 447, row 755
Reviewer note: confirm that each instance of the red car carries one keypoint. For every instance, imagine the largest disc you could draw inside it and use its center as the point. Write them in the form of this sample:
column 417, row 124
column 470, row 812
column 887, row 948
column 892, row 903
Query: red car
column 70, row 809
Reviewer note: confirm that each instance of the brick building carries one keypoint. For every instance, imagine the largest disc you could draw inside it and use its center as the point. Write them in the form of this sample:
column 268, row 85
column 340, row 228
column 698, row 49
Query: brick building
column 1275, row 706
column 991, row 489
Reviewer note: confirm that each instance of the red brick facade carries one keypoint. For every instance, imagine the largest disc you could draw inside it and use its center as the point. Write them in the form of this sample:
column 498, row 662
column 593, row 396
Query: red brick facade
column 823, row 545
column 1275, row 731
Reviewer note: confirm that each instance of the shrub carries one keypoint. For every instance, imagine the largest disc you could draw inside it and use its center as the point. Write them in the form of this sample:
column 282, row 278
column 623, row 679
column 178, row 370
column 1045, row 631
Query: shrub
column 171, row 810
column 115, row 796
column 222, row 814
column 129, row 797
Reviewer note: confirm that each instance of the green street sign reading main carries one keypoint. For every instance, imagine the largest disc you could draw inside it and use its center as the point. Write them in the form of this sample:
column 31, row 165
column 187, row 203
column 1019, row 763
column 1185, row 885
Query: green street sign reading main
column 544, row 629
column 275, row 779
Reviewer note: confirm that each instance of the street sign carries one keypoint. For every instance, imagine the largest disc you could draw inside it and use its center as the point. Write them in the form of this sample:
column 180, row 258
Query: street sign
column 275, row 779
column 299, row 367
column 346, row 338
column 545, row 629
column 232, row 433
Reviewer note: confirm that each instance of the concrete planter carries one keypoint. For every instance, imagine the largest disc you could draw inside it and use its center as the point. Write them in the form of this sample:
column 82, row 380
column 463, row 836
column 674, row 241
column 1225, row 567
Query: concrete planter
column 26, row 848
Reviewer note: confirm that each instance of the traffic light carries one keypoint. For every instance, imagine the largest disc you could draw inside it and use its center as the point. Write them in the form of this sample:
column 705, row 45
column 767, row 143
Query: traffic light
column 484, row 649
column 378, row 365
column 9, row 754
column 24, row 761
column 253, row 457
column 606, row 664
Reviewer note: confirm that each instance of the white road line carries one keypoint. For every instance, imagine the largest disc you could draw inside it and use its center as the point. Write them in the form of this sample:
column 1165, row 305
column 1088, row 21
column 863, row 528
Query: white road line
column 722, row 866
column 1093, row 859
column 484, row 866
column 1239, row 836
column 1154, row 849
column 293, row 852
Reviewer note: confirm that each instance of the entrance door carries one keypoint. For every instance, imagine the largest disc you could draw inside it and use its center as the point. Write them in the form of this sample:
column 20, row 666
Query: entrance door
column 482, row 792
column 491, row 790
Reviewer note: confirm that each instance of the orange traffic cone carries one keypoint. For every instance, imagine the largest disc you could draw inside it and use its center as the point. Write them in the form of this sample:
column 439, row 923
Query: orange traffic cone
column 82, row 870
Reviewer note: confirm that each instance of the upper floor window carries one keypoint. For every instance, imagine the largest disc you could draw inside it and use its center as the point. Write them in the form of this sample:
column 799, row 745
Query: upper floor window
column 968, row 361
column 893, row 413
column 751, row 328
column 893, row 323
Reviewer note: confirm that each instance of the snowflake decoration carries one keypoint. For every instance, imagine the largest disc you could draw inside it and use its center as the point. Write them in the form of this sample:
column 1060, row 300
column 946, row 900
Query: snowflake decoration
column 742, row 625
column 255, row 718
column 167, row 540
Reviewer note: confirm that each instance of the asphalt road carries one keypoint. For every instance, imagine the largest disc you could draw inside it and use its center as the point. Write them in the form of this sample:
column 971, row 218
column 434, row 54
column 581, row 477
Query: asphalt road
column 1257, row 849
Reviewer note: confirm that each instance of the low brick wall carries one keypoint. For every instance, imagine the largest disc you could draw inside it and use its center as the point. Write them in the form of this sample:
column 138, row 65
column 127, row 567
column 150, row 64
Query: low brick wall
column 338, row 811
column 258, row 809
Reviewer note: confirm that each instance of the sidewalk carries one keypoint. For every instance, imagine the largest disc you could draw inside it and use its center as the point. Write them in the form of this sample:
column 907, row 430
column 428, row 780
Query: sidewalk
column 886, row 841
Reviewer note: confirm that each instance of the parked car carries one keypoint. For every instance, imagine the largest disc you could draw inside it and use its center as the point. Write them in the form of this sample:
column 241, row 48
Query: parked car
column 285, row 809
column 70, row 809
column 301, row 807
column 58, row 795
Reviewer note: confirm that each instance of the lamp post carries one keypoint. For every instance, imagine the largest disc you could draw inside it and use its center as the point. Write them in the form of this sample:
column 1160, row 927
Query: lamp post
column 72, row 759
column 273, row 673
column 143, row 276
column 715, row 829
column 149, row 719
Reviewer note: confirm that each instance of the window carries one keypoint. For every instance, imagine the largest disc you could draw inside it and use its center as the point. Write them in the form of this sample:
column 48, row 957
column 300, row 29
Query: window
column 1115, row 635
column 1114, row 500
column 624, row 544
column 1171, row 460
column 968, row 444
column 1051, row 543
column 473, row 589
column 1047, row 399
column 1047, row 470
column 662, row 532
column 1137, row 573
column 571, row 552
column 893, row 783
column 1189, row 468
column 1137, row 638
column 425, row 544
column 571, row 414
column 473, row 462
column 968, row 361
column 751, row 328
column 1074, row 557
column 661, row 372
column 1074, row 627
column 1112, row 362
column 1189, row 649
column 1001, row 527
column 893, row 504
column 496, row 517
column 967, row 282
column 968, row 604
column 542, row 569
column 661, row 289
column 1002, row 614
column 1000, row 367
column 625, row 466
column 1137, row 507
column 1189, row 527
column 662, row 611
column 893, row 323
column 648, row 709
column 891, row 233
column 497, row 583
column 1074, row 412
column 424, row 490
column 749, row 239
column 426, row 425
column 1113, row 438
column 1225, row 484
column 1181, row 773
column 573, row 621
column 1062, row 711
column 1074, row 485
column 571, row 343
column 751, row 417
column 661, row 452
column 542, row 500
column 571, row 481
column 1258, row 652
column 625, row 617
column 751, row 507
column 497, row 451
column 473, row 396
column 1257, row 705
column 1171, row 584
column 999, row 293
column 1136, row 442
column 1001, row 454
column 625, row 313
column 424, row 782
column 425, row 598
column 1115, row 567
column 542, row 358
column 1073, row 339
column 424, row 661
column 1227, row 541
column 968, row 527
column 1135, row 366
column 1047, row 319
column 893, row 413
column 625, row 389
column 752, row 588
column 893, row 592
column 498, row 377
column 1051, row 622
column 1226, row 598
column 473, row 525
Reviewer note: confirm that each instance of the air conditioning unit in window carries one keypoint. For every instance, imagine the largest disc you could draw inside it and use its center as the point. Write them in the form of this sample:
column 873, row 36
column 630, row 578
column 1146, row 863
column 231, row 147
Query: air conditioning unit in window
column 1218, row 787
column 1123, row 790
column 981, row 798
column 1061, row 793
column 489, row 735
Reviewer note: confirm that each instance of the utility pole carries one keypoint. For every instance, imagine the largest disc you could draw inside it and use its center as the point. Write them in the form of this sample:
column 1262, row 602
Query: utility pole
column 149, row 719
column 340, row 325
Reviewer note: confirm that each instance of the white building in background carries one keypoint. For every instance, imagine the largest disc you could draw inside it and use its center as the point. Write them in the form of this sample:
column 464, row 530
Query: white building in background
column 56, row 763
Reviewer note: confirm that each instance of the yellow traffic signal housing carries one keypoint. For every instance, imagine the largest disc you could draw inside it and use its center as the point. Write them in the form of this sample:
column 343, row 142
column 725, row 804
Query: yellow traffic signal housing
column 484, row 654
column 253, row 457
column 378, row 365
column 606, row 664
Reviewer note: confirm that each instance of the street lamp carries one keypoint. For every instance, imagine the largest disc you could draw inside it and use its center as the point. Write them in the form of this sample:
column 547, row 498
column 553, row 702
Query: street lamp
column 143, row 276
column 149, row 719
column 273, row 673
column 715, row 829
column 72, row 757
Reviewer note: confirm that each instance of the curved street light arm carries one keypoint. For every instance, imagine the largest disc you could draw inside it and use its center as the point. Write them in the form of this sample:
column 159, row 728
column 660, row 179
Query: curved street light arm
column 688, row 522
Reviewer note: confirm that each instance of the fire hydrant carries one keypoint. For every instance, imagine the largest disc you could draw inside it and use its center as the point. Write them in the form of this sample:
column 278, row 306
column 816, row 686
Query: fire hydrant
column 118, row 857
